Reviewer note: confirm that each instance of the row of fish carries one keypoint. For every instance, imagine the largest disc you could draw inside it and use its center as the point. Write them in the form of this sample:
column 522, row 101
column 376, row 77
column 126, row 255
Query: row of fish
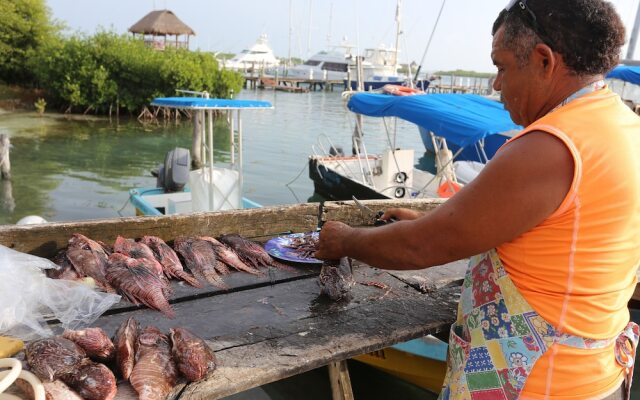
column 75, row 365
column 140, row 270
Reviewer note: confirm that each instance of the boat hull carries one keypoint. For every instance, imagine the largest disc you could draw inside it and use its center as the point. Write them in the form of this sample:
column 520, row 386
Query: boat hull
column 334, row 186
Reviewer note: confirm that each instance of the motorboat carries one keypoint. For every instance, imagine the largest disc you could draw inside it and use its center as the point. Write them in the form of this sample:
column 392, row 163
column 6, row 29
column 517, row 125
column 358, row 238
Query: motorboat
column 378, row 67
column 458, row 121
column 256, row 57
column 326, row 65
column 218, row 184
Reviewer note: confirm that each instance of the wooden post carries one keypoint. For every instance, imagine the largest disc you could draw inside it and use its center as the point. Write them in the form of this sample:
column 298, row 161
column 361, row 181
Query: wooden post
column 340, row 381
column 196, row 145
column 5, row 164
column 7, row 202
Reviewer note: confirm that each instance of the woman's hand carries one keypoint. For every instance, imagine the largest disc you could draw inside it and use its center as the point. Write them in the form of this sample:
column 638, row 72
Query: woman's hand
column 331, row 245
column 400, row 214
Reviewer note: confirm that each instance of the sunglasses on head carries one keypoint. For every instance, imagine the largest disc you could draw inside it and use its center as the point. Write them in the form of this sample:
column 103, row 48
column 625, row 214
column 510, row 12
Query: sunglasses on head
column 528, row 17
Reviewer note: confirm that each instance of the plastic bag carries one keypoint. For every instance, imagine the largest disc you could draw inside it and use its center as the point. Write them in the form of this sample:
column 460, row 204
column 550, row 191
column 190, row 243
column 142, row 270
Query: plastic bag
column 28, row 298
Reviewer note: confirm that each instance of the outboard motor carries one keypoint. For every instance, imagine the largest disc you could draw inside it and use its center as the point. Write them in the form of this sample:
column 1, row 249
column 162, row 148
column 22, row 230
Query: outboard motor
column 174, row 173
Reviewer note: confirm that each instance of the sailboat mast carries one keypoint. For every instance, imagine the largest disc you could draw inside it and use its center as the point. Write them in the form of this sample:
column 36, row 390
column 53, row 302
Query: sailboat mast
column 634, row 36
column 398, row 32
column 309, row 31
column 290, row 33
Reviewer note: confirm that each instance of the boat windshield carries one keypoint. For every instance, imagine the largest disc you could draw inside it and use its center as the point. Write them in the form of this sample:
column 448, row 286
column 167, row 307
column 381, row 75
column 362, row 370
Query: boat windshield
column 333, row 66
column 312, row 62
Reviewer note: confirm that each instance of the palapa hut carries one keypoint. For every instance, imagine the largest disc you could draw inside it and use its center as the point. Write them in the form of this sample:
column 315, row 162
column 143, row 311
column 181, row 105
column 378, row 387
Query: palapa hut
column 157, row 25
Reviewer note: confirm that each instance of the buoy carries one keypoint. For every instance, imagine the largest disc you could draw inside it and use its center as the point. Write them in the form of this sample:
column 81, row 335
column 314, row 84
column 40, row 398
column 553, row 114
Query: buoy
column 31, row 220
column 448, row 189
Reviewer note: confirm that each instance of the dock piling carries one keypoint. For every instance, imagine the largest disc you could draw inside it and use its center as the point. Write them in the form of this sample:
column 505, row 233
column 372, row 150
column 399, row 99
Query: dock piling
column 5, row 164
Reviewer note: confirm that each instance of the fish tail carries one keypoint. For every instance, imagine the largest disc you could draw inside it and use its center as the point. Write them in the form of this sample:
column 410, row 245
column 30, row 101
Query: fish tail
column 190, row 279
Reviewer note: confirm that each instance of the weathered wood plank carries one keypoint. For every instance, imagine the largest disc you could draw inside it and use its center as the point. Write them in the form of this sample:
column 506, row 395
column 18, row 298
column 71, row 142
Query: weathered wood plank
column 260, row 223
column 434, row 278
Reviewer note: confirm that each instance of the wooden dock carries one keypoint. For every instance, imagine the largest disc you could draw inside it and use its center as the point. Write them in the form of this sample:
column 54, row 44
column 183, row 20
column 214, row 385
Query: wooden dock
column 264, row 329
column 298, row 85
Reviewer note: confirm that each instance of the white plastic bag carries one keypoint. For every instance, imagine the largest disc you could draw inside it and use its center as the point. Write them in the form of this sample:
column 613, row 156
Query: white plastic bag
column 28, row 298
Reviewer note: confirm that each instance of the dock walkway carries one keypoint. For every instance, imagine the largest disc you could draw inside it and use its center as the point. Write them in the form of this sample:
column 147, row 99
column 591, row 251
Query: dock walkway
column 267, row 328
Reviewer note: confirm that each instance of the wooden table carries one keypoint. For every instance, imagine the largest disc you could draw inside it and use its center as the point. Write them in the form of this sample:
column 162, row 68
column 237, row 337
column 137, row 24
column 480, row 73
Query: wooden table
column 264, row 329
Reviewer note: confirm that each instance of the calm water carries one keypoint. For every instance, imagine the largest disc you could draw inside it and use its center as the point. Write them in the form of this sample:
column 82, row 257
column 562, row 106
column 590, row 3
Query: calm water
column 81, row 168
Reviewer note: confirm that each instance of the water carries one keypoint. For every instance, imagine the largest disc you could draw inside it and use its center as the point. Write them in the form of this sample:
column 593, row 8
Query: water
column 79, row 168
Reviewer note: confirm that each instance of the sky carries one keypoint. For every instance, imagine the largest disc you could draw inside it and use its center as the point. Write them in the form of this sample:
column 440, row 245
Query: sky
column 299, row 28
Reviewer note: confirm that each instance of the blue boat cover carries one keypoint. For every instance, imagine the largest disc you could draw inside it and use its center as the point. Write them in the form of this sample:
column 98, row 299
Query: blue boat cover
column 462, row 119
column 626, row 73
column 208, row 104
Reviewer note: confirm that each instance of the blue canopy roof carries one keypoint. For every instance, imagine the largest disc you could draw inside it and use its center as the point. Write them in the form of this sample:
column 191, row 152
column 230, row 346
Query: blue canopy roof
column 626, row 73
column 208, row 104
column 462, row 119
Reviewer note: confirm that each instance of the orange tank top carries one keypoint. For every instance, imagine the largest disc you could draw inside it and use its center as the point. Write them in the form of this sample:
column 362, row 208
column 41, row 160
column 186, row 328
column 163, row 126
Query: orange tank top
column 577, row 268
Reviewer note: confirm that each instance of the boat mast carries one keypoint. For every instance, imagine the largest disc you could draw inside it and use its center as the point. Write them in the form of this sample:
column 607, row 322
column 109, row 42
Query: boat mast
column 290, row 33
column 309, row 31
column 424, row 55
column 634, row 36
column 398, row 32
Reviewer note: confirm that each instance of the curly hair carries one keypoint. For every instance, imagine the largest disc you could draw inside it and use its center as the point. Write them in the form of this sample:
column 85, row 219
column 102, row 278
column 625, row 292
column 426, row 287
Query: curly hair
column 587, row 33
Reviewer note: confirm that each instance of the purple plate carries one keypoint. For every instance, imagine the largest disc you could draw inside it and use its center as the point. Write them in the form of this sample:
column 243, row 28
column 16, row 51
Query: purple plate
column 279, row 247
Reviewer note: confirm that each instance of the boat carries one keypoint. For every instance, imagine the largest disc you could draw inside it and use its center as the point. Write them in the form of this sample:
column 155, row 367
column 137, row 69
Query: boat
column 459, row 121
column 629, row 76
column 259, row 56
column 326, row 65
column 378, row 66
column 215, row 186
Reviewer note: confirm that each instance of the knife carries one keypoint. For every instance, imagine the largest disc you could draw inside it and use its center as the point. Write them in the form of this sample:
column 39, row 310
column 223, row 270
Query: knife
column 375, row 215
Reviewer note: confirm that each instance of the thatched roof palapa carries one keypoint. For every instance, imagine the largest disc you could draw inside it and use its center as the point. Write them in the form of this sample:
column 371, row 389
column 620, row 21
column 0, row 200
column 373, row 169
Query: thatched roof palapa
column 161, row 22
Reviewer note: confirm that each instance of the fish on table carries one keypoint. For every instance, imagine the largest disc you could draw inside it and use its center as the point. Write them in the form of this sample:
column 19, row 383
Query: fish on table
column 155, row 373
column 126, row 344
column 201, row 260
column 167, row 257
column 194, row 358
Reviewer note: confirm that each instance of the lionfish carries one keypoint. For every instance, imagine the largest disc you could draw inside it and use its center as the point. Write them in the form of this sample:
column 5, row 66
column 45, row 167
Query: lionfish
column 138, row 284
column 154, row 374
column 250, row 252
column 94, row 342
column 126, row 342
column 192, row 355
column 201, row 260
column 89, row 258
column 169, row 260
column 336, row 279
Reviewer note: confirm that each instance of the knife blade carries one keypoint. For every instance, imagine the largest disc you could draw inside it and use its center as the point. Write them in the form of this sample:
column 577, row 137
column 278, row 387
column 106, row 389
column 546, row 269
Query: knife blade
column 375, row 215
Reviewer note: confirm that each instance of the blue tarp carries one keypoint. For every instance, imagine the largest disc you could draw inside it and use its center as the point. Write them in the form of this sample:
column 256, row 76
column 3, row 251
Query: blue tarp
column 626, row 73
column 462, row 119
column 208, row 104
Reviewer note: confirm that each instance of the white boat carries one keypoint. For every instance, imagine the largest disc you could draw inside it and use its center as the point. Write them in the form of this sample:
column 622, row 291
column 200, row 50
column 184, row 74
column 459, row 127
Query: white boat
column 258, row 56
column 216, row 186
column 463, row 120
column 326, row 65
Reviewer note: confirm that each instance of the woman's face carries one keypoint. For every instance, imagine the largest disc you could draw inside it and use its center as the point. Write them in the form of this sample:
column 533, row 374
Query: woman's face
column 515, row 83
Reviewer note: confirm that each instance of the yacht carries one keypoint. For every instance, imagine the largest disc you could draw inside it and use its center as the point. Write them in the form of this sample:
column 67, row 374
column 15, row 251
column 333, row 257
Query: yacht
column 258, row 56
column 328, row 65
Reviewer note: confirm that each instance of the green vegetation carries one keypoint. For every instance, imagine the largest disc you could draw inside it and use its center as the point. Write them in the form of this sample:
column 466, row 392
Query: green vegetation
column 470, row 74
column 102, row 73
column 40, row 105
column 98, row 73
column 25, row 28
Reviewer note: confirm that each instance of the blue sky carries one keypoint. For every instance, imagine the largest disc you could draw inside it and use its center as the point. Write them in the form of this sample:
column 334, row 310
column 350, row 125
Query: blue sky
column 462, row 36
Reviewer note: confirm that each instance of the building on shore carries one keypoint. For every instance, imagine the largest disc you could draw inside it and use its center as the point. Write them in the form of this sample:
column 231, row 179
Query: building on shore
column 157, row 25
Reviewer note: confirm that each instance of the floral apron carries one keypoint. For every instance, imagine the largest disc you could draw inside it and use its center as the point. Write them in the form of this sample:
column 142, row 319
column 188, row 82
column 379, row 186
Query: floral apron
column 498, row 337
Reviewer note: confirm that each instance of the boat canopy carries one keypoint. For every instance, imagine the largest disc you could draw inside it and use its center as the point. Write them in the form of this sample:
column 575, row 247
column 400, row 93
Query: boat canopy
column 462, row 119
column 626, row 73
column 201, row 103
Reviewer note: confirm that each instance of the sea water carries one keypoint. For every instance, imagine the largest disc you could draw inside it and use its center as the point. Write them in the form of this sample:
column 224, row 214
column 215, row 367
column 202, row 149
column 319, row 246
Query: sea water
column 69, row 168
